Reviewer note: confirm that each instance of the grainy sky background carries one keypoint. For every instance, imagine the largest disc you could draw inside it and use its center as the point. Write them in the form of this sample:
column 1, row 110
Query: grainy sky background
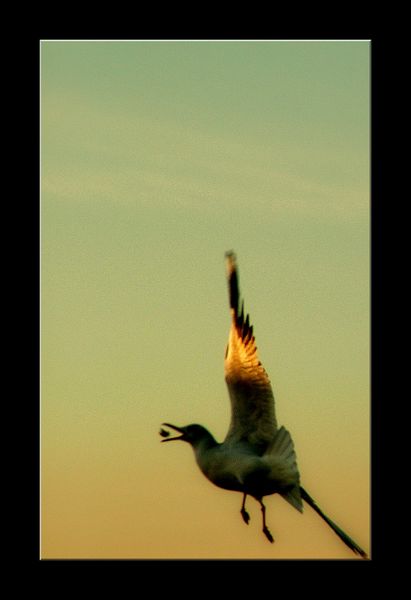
column 156, row 158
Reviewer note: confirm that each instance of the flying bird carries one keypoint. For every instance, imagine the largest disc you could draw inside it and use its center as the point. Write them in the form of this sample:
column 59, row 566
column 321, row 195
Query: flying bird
column 257, row 458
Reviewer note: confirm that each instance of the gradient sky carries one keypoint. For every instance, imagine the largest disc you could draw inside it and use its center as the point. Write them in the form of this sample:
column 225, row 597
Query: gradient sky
column 156, row 158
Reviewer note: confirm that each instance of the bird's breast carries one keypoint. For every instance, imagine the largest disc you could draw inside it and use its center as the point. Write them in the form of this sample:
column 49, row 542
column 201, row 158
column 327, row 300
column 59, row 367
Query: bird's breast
column 229, row 469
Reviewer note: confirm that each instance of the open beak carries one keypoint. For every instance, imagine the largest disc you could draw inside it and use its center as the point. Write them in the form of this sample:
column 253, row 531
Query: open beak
column 165, row 433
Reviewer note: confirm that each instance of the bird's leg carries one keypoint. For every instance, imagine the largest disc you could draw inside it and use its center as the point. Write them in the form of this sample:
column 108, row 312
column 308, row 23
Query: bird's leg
column 244, row 513
column 266, row 531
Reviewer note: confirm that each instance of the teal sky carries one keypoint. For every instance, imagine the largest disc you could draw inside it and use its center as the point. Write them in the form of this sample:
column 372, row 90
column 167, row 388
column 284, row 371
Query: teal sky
column 156, row 158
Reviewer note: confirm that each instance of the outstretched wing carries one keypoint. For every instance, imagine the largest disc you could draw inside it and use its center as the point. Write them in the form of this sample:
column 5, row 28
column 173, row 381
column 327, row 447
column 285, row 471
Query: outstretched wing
column 252, row 401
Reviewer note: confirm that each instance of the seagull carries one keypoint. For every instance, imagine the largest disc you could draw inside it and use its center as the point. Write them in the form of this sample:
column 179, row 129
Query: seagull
column 257, row 458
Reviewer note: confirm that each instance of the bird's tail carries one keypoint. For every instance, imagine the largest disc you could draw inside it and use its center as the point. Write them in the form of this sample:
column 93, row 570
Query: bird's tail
column 341, row 534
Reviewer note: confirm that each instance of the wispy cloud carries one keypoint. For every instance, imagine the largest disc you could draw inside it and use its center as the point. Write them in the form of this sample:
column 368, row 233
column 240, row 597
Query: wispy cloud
column 90, row 153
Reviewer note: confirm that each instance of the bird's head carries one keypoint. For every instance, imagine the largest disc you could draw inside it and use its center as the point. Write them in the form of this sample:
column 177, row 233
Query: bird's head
column 193, row 434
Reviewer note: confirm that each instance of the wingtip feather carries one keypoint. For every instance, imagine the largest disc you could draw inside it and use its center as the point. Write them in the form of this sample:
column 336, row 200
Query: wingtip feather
column 241, row 319
column 232, row 277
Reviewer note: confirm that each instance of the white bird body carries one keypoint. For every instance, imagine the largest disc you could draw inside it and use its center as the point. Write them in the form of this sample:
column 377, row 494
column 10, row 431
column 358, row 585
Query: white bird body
column 239, row 467
column 256, row 458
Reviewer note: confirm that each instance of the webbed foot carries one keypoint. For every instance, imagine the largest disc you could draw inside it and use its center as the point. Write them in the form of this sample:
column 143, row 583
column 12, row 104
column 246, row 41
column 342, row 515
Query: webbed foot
column 266, row 531
column 245, row 515
column 268, row 535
